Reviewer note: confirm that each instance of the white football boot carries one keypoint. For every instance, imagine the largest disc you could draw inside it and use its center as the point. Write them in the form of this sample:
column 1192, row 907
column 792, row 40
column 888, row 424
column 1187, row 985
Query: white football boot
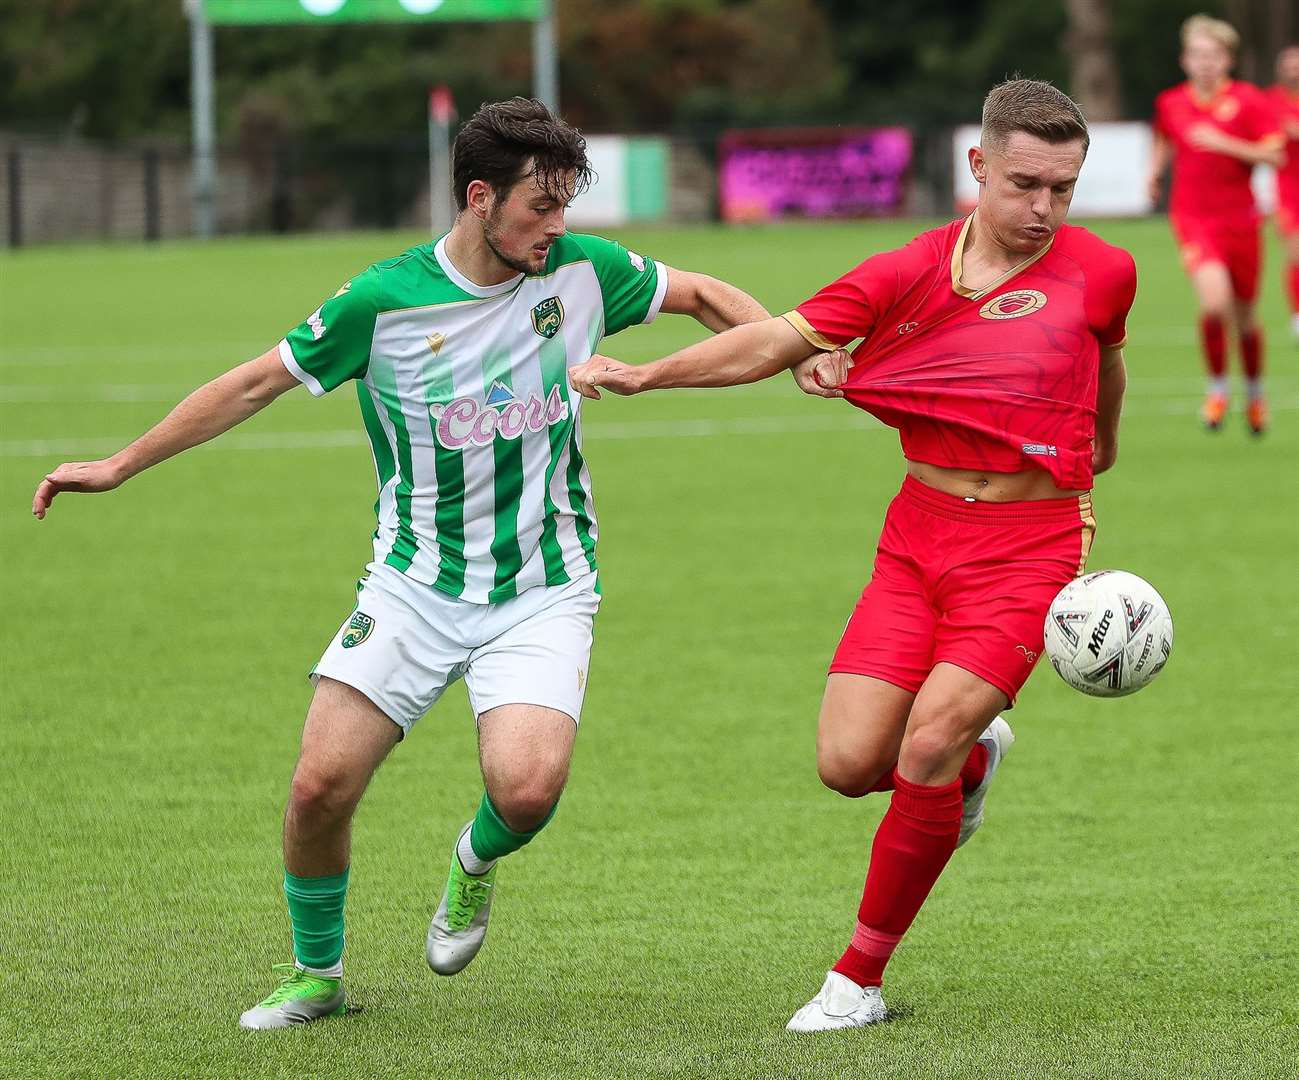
column 998, row 738
column 300, row 998
column 460, row 924
column 840, row 1004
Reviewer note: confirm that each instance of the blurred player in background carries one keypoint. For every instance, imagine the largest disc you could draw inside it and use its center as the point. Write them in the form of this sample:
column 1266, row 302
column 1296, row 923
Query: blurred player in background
column 1285, row 96
column 1214, row 131
column 995, row 346
column 484, row 556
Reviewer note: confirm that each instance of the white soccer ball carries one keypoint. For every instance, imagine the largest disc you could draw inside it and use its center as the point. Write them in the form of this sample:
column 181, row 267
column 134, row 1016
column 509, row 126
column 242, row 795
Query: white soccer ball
column 1108, row 633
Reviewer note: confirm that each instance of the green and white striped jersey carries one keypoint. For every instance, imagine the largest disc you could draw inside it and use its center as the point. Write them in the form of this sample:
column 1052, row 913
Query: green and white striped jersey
column 477, row 441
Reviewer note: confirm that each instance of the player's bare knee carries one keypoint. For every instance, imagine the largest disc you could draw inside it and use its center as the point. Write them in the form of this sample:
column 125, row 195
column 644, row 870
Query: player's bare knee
column 931, row 742
column 847, row 776
column 1215, row 306
column 321, row 794
column 525, row 807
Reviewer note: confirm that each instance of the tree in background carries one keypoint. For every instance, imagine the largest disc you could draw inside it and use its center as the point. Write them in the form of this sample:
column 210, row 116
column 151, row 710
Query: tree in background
column 120, row 68
column 1094, row 69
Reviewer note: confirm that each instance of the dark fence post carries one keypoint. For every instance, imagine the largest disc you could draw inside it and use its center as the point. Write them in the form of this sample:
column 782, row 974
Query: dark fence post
column 152, row 200
column 15, row 198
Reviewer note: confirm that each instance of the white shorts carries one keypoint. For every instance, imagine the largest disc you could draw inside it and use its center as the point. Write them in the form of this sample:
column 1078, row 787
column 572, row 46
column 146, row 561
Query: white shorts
column 406, row 642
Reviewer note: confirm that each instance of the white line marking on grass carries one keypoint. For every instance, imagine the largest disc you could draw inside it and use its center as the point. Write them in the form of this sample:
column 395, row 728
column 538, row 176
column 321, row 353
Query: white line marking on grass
column 146, row 352
column 170, row 393
column 152, row 393
column 70, row 447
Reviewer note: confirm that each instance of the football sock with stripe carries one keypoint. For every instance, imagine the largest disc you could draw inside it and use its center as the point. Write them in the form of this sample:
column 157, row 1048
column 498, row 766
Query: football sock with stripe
column 912, row 845
column 1213, row 340
column 489, row 837
column 316, row 914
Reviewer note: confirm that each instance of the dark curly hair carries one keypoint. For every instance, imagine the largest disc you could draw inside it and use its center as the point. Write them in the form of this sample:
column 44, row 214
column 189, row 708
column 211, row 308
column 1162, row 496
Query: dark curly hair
column 507, row 141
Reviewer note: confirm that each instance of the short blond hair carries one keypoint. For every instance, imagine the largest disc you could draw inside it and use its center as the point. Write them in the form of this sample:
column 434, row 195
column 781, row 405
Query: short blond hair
column 1219, row 30
column 1034, row 107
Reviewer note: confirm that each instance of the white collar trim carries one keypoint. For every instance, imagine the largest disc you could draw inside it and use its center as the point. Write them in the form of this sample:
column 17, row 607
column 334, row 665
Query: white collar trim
column 462, row 282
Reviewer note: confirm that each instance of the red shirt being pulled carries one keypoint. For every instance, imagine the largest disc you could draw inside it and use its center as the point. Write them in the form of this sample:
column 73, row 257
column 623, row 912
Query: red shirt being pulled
column 1207, row 184
column 998, row 379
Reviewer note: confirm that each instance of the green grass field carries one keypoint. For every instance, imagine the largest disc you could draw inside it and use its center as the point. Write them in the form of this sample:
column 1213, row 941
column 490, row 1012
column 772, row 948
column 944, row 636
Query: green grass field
column 1129, row 910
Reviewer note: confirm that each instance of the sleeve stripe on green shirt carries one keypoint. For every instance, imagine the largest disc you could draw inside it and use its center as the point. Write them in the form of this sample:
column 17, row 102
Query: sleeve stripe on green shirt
column 298, row 372
column 660, row 290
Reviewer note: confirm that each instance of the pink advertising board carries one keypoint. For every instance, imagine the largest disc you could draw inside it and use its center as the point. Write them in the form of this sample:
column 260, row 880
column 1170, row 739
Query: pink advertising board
column 813, row 172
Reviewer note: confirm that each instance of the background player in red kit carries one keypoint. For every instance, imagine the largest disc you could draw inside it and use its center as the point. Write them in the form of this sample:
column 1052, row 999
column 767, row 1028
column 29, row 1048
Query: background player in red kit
column 1285, row 97
column 994, row 346
column 1214, row 131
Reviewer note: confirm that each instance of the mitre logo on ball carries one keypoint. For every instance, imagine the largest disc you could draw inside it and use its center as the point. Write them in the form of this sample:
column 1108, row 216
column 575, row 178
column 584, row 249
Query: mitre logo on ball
column 1108, row 633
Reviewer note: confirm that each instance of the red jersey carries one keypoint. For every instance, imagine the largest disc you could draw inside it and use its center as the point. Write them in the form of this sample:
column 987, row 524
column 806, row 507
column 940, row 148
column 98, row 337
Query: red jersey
column 1206, row 183
column 998, row 379
column 1286, row 104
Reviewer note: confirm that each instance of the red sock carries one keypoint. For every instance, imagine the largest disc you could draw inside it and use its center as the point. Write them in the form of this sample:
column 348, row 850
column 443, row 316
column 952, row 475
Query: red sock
column 971, row 772
column 912, row 845
column 1251, row 353
column 1294, row 287
column 1213, row 340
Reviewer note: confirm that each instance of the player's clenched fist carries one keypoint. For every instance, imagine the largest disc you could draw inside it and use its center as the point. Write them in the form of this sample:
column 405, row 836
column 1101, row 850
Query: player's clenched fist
column 604, row 371
column 75, row 476
column 823, row 373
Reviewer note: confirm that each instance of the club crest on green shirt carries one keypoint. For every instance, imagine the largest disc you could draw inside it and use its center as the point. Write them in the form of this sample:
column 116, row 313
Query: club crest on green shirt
column 547, row 317
column 358, row 629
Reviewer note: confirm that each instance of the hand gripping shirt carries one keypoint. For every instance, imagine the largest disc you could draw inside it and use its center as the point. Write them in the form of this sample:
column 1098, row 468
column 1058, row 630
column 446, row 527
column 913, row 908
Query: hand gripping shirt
column 998, row 379
column 1207, row 184
column 477, row 441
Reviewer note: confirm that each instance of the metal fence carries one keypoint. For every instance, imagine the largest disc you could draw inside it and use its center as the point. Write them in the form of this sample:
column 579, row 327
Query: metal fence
column 68, row 191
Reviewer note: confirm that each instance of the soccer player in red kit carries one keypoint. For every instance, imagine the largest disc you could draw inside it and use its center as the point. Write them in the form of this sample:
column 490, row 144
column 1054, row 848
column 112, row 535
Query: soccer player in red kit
column 1214, row 131
column 995, row 346
column 1285, row 97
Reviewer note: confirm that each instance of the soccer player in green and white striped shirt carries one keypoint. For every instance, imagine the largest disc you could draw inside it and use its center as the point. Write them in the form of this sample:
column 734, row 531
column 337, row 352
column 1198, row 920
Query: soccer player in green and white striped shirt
column 484, row 557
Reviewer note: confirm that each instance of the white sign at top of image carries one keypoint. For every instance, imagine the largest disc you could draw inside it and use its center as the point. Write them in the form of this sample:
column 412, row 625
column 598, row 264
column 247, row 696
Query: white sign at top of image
column 604, row 203
column 1113, row 180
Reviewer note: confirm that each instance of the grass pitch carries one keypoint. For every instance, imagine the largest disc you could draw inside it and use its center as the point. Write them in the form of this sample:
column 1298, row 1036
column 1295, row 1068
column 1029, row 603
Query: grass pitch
column 1129, row 910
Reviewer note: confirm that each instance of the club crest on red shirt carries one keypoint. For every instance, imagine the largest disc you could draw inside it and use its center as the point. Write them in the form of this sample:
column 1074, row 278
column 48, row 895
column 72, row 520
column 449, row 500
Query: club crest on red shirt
column 1014, row 305
column 1226, row 110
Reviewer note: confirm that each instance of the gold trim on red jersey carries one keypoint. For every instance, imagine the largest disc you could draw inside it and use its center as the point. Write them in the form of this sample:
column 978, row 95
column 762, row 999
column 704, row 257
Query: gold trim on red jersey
column 810, row 333
column 958, row 254
column 1088, row 531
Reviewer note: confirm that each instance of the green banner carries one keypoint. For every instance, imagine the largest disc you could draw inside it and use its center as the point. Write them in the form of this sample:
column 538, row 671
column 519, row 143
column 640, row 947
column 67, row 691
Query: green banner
column 221, row 12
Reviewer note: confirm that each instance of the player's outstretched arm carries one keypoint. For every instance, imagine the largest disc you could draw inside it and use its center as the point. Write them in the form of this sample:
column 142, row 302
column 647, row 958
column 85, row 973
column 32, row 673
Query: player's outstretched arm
column 744, row 354
column 1265, row 151
column 213, row 408
column 715, row 304
column 1112, row 383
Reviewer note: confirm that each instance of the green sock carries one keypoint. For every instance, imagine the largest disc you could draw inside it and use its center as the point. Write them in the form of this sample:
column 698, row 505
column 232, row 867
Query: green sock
column 491, row 838
column 316, row 912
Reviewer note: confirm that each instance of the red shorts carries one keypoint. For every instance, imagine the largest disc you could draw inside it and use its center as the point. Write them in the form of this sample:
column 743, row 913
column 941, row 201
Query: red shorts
column 964, row 583
column 1234, row 243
